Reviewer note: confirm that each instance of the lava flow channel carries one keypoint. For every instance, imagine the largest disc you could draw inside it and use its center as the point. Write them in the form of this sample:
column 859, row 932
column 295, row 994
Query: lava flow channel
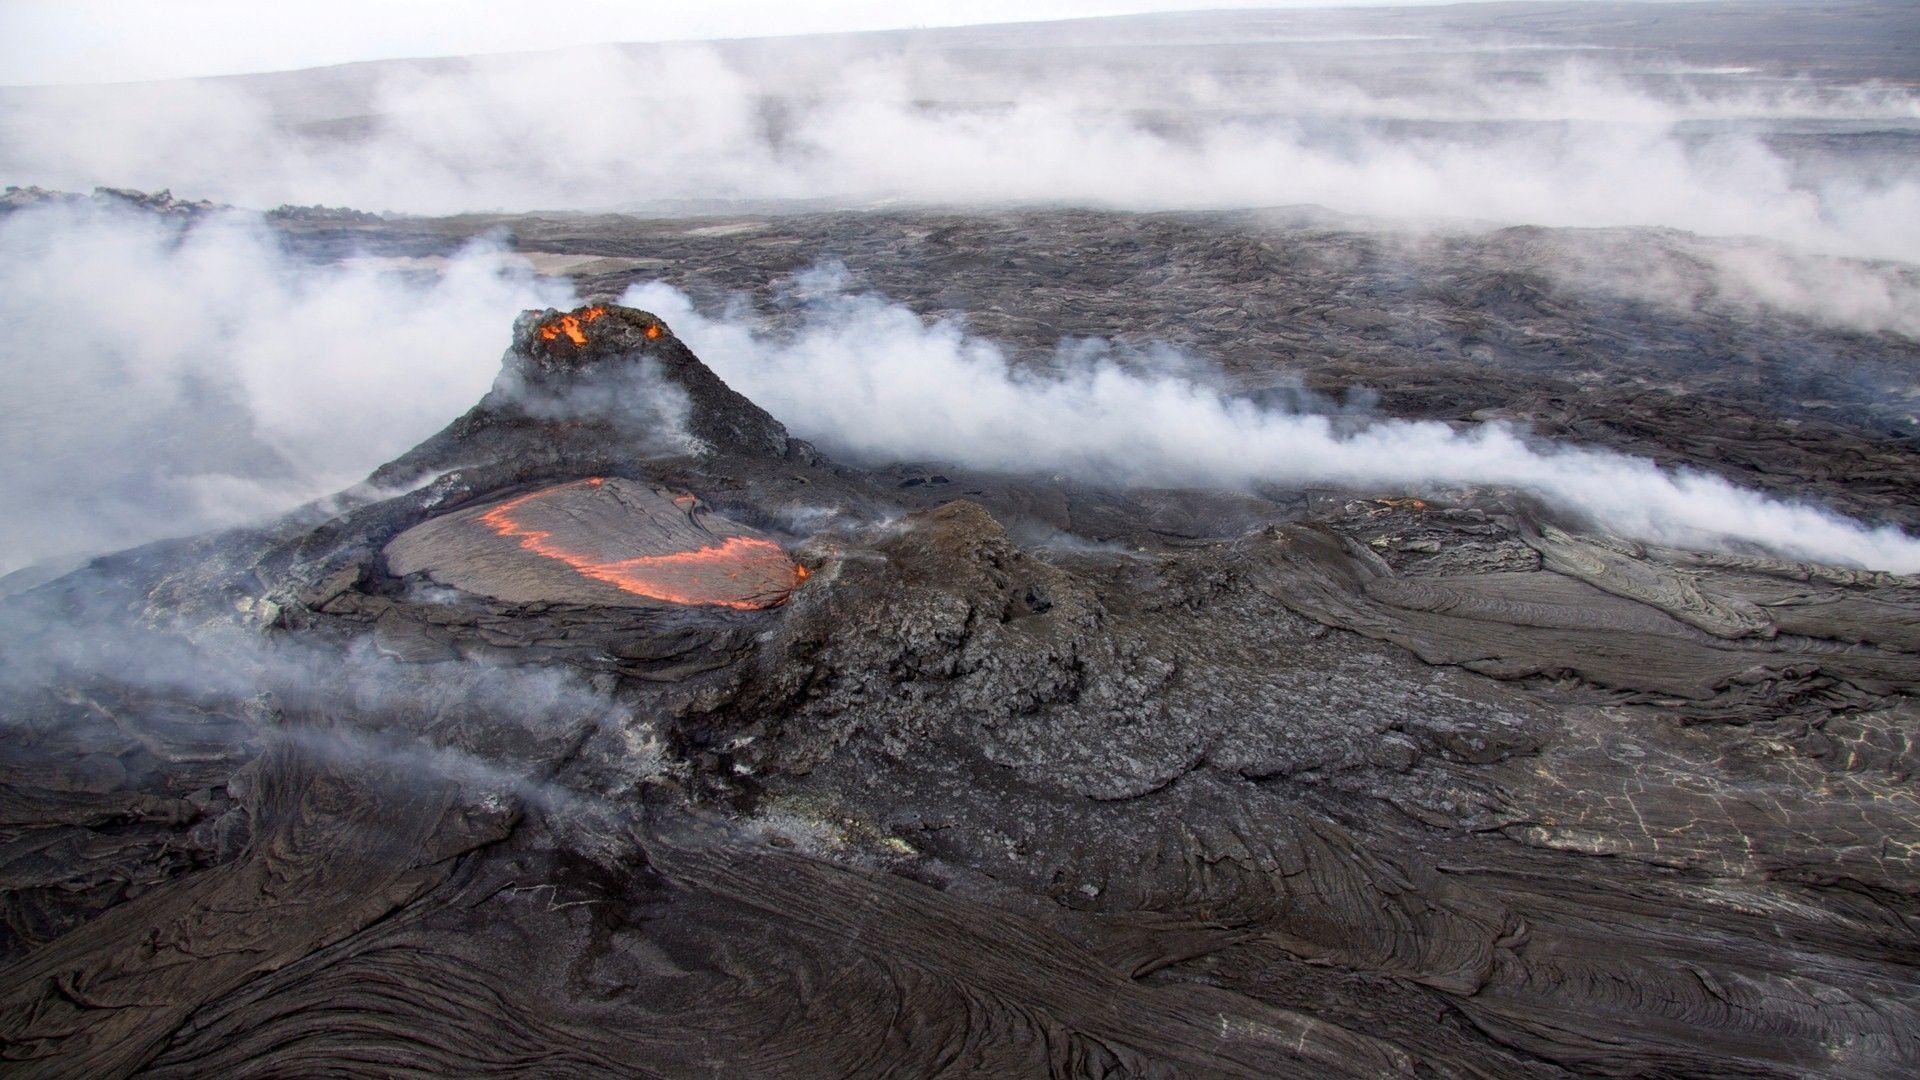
column 739, row 572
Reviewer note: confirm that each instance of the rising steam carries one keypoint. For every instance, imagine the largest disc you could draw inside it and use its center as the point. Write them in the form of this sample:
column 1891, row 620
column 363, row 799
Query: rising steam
column 868, row 379
column 1579, row 142
column 163, row 379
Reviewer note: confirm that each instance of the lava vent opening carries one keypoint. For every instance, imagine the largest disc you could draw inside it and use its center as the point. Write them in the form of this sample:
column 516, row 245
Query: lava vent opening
column 604, row 542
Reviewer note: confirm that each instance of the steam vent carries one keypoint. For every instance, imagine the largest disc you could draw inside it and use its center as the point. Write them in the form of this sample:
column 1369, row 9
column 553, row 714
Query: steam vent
column 604, row 542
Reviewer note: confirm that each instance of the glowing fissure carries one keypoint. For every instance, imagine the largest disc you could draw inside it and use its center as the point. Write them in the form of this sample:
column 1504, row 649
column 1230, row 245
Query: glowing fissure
column 744, row 562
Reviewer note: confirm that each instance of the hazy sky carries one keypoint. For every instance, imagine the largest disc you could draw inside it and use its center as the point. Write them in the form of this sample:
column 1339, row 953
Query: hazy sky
column 46, row 41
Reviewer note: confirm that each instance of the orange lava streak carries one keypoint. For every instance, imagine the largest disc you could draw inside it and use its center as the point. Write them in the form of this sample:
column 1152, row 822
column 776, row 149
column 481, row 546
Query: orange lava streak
column 653, row 576
column 570, row 325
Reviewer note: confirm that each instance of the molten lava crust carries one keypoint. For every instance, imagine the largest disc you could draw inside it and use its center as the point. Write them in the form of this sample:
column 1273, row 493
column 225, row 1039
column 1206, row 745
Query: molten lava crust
column 601, row 542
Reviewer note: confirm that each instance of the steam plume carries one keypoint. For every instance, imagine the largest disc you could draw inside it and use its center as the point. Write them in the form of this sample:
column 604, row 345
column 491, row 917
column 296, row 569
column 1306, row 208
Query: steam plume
column 868, row 379
column 1579, row 142
column 165, row 378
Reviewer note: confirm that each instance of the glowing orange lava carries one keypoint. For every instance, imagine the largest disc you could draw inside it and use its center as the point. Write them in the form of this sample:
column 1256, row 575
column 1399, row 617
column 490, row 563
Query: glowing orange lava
column 570, row 325
column 716, row 575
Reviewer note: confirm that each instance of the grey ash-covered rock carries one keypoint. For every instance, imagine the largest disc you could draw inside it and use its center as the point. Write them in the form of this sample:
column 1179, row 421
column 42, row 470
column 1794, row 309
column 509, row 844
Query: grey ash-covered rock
column 1025, row 778
column 163, row 203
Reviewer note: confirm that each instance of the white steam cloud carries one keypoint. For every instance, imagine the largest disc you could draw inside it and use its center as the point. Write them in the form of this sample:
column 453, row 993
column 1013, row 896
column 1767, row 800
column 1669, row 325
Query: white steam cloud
column 1454, row 134
column 161, row 378
column 868, row 379
column 1739, row 276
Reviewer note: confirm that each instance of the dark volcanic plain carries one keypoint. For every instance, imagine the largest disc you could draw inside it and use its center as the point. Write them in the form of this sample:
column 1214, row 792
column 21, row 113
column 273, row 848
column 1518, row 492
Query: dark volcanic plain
column 961, row 773
column 1026, row 775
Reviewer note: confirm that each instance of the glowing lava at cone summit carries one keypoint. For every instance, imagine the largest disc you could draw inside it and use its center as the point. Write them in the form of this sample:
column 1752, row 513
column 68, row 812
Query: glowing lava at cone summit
column 571, row 326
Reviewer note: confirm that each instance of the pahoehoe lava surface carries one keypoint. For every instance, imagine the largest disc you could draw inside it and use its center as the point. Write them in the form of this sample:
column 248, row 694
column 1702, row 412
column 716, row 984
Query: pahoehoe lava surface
column 408, row 783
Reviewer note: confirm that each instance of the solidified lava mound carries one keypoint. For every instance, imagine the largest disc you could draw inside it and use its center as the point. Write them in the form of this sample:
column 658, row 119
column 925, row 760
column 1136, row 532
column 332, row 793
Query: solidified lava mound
column 552, row 765
column 588, row 392
column 598, row 541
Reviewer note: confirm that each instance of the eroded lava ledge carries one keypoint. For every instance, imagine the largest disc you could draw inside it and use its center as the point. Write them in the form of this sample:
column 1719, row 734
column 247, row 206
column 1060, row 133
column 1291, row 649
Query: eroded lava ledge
column 1378, row 787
